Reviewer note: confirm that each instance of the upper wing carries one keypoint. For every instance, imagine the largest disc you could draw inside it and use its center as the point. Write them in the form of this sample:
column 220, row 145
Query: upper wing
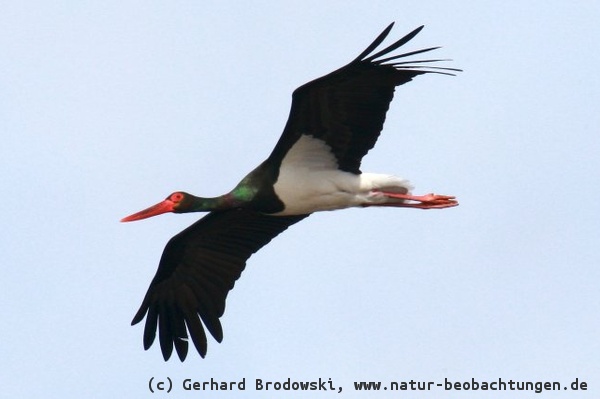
column 347, row 107
column 196, row 271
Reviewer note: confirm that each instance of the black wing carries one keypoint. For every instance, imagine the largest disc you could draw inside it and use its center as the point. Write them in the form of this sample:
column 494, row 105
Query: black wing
column 196, row 271
column 347, row 107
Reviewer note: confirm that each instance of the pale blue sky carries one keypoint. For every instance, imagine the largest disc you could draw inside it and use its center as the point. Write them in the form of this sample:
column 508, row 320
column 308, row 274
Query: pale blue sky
column 107, row 107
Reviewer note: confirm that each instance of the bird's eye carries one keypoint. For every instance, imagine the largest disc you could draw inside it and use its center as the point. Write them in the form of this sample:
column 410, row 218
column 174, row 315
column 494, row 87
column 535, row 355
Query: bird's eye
column 176, row 197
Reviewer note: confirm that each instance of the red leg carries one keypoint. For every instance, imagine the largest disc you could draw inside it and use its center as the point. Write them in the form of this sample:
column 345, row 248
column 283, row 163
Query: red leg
column 427, row 201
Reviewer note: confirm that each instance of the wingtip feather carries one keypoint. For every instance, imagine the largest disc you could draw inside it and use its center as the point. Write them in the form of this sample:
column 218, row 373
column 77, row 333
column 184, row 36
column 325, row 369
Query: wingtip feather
column 378, row 40
column 398, row 43
column 139, row 316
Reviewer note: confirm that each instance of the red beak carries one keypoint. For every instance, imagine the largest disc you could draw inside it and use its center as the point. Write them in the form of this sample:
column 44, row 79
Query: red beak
column 162, row 207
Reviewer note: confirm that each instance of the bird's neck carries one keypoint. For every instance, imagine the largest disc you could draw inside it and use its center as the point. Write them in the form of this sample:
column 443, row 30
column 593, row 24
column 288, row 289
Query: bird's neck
column 220, row 203
column 244, row 193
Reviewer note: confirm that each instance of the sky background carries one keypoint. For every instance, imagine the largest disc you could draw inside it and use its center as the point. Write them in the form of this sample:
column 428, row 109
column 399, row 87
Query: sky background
column 107, row 107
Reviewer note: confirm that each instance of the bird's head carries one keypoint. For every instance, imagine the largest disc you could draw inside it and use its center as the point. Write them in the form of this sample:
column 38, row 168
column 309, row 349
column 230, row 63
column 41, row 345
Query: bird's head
column 178, row 202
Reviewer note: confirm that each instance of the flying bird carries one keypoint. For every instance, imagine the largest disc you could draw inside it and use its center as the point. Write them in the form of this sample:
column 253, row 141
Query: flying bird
column 315, row 166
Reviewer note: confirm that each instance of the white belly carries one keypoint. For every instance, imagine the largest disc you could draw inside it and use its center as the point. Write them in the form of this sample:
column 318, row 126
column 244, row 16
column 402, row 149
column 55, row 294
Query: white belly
column 309, row 181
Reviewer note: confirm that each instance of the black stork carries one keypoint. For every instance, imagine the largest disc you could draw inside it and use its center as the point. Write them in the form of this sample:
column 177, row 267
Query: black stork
column 315, row 166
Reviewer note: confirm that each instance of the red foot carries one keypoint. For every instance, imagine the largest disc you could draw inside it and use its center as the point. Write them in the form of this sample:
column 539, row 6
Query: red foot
column 427, row 201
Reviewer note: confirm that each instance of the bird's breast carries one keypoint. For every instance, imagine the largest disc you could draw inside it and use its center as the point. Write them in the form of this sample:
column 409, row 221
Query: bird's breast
column 309, row 180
